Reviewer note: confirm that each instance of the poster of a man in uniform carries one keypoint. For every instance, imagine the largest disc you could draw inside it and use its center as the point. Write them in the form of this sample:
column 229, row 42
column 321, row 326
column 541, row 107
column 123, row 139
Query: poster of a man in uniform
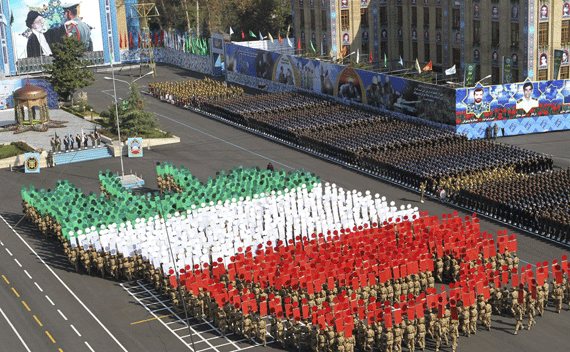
column 39, row 24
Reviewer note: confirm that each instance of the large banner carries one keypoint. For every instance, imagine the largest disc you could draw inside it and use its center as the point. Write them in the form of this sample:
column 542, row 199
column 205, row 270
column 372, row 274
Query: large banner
column 512, row 101
column 413, row 98
column 39, row 24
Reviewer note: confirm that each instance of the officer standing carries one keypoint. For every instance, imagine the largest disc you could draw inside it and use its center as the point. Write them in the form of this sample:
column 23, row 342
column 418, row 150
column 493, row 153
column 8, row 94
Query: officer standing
column 76, row 28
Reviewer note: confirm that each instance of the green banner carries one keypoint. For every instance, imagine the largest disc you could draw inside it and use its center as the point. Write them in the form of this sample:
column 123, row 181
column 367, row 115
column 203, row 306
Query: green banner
column 507, row 70
column 469, row 80
column 557, row 60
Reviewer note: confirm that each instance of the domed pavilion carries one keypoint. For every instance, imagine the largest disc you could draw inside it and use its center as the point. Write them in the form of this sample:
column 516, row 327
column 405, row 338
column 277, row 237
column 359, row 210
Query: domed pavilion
column 35, row 99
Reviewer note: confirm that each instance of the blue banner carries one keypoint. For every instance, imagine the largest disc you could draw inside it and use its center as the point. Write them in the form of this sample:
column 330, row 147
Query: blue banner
column 135, row 147
column 32, row 163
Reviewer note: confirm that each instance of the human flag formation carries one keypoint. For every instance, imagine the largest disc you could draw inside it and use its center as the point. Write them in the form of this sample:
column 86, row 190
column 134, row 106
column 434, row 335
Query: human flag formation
column 327, row 245
column 450, row 71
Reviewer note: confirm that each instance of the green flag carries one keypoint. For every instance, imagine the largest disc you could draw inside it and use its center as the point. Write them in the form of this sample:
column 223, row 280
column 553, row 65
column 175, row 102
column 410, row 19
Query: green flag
column 385, row 61
column 312, row 46
column 251, row 34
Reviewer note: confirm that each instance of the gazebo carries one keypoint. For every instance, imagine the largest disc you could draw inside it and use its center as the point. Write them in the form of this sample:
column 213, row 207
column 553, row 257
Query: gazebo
column 32, row 97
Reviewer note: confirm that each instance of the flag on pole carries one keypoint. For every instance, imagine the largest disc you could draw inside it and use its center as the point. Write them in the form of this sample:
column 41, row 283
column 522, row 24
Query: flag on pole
column 280, row 39
column 385, row 61
column 270, row 37
column 451, row 71
column 242, row 35
column 322, row 52
column 418, row 66
column 251, row 34
column 428, row 67
column 231, row 31
column 371, row 57
column 312, row 46
column 260, row 36
column 401, row 62
column 299, row 44
column 357, row 55
column 289, row 41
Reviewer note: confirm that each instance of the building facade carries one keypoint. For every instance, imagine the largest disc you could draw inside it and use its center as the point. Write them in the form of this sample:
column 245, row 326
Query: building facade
column 445, row 32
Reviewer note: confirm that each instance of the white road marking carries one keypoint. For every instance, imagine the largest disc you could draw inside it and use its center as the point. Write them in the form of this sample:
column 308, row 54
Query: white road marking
column 63, row 316
column 74, row 329
column 92, row 350
column 7, row 250
column 38, row 286
column 50, row 301
column 67, row 288
column 17, row 262
column 28, row 274
column 16, row 331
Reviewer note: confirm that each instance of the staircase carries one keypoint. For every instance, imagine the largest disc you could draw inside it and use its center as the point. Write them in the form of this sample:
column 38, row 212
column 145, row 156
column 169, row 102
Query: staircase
column 76, row 156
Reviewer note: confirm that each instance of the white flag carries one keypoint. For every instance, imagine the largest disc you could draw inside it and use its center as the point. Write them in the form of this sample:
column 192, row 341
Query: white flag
column 418, row 66
column 231, row 31
column 357, row 56
column 450, row 71
column 401, row 62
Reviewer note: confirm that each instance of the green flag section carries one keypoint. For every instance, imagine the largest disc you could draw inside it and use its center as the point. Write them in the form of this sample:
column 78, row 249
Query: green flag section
column 77, row 213
column 470, row 75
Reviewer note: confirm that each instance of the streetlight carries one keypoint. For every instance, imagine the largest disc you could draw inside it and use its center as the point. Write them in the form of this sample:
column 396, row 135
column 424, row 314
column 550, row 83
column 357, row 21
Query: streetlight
column 117, row 110
column 482, row 79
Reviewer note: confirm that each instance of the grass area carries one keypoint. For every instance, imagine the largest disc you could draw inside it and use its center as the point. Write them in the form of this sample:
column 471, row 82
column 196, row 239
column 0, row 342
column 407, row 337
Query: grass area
column 13, row 149
column 107, row 126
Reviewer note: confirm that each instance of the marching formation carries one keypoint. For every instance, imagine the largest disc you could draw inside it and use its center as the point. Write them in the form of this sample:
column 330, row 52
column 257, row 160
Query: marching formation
column 192, row 92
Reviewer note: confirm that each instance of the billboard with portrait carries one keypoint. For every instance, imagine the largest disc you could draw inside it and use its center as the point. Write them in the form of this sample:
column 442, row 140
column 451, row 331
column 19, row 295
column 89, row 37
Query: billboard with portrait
column 413, row 98
column 39, row 24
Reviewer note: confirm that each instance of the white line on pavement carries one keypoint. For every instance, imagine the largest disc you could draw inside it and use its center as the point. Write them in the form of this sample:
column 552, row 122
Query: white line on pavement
column 63, row 316
column 16, row 331
column 74, row 329
column 7, row 250
column 67, row 288
column 28, row 274
column 92, row 350
column 17, row 262
column 38, row 286
column 50, row 301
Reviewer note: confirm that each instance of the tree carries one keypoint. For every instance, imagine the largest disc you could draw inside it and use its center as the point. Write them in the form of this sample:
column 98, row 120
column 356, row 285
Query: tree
column 133, row 119
column 68, row 71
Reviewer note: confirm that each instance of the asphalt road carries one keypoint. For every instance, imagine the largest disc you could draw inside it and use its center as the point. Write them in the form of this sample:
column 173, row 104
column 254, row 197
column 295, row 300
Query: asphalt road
column 85, row 313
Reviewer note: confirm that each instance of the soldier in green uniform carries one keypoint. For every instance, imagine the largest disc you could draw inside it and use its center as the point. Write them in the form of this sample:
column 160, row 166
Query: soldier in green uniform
column 76, row 28
column 478, row 106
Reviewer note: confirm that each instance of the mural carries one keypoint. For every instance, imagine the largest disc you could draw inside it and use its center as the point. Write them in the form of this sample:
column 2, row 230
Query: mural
column 412, row 98
column 512, row 101
column 38, row 24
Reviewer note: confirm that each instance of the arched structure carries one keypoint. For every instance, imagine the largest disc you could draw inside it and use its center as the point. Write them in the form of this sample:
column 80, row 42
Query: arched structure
column 31, row 97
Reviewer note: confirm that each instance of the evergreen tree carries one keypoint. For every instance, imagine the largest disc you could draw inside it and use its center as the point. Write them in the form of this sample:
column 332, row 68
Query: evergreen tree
column 133, row 119
column 68, row 71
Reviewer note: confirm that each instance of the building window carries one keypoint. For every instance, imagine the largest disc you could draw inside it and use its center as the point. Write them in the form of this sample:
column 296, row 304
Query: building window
column 565, row 33
column 564, row 72
column 496, row 73
column 400, row 16
column 438, row 17
column 495, row 34
column 456, row 18
column 312, row 19
column 324, row 20
column 365, row 48
column 543, row 75
column 515, row 35
column 543, row 33
column 302, row 18
column 344, row 20
column 439, row 54
column 427, row 56
column 476, row 32
column 383, row 14
column 414, row 50
column 364, row 18
column 414, row 16
column 426, row 16
column 401, row 48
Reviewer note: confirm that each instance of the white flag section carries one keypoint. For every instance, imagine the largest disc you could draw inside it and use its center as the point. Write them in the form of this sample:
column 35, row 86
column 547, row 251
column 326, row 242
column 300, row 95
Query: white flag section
column 450, row 71
column 357, row 56
column 401, row 62
column 224, row 229
column 231, row 31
